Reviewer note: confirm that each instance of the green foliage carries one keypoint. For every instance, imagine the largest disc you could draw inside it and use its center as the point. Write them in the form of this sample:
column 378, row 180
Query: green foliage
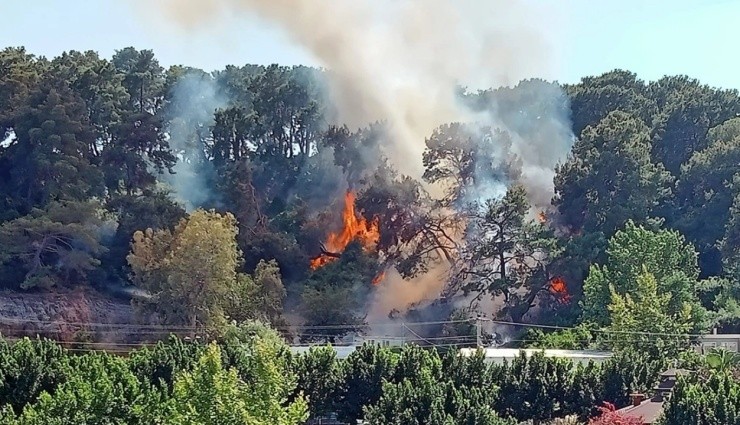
column 688, row 109
column 54, row 245
column 363, row 374
column 49, row 158
column 609, row 177
column 29, row 368
column 642, row 319
column 258, row 297
column 319, row 379
column 711, row 401
column 580, row 337
column 159, row 364
column 629, row 371
column 190, row 271
column 723, row 360
column 102, row 390
column 425, row 389
column 150, row 210
column 703, row 187
column 633, row 251
column 335, row 292
column 730, row 243
column 534, row 387
column 212, row 395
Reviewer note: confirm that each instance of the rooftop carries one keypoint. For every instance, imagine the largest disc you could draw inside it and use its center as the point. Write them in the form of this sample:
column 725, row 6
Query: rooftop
column 515, row 352
column 720, row 336
column 675, row 372
column 649, row 410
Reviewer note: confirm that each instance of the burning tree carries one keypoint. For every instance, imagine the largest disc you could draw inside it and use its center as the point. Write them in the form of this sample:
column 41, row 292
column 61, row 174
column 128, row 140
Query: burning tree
column 354, row 228
column 507, row 255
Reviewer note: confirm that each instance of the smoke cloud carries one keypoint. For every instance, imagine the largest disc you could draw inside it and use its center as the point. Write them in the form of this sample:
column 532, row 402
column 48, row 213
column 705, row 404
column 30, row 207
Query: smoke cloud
column 404, row 62
column 193, row 101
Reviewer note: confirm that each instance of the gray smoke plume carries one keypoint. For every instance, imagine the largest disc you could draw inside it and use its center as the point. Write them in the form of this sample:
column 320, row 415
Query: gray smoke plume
column 403, row 62
column 193, row 101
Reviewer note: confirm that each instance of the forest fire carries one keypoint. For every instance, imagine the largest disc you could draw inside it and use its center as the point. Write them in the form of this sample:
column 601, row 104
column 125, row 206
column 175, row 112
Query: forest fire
column 560, row 289
column 354, row 227
column 542, row 217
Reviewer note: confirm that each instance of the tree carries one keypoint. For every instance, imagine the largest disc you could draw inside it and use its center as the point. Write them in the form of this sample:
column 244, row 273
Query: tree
column 532, row 387
column 363, row 373
column 101, row 391
column 97, row 82
column 663, row 253
column 30, row 368
column 609, row 177
column 334, row 294
column 594, row 98
column 48, row 157
column 20, row 72
column 424, row 399
column 506, row 252
column 467, row 161
column 137, row 152
column 730, row 243
column 190, row 271
column 148, row 210
column 643, row 319
column 259, row 297
column 687, row 110
column 319, row 379
column 143, row 79
column 158, row 365
column 212, row 395
column 54, row 245
column 711, row 401
column 629, row 371
column 704, row 189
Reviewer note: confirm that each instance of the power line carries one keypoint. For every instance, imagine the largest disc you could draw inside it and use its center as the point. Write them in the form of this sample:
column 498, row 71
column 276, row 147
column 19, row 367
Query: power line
column 529, row 325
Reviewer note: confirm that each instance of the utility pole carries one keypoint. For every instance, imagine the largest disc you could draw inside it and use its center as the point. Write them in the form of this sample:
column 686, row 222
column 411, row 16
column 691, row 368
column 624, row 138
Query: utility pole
column 478, row 332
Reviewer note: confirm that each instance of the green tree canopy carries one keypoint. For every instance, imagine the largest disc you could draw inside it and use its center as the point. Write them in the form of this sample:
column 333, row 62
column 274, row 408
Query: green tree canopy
column 664, row 254
column 610, row 178
column 189, row 272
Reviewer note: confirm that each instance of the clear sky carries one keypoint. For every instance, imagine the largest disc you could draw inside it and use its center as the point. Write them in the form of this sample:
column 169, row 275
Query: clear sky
column 653, row 38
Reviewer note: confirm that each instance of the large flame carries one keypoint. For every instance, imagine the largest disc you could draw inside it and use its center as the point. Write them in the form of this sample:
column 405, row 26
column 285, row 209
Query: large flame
column 560, row 289
column 354, row 227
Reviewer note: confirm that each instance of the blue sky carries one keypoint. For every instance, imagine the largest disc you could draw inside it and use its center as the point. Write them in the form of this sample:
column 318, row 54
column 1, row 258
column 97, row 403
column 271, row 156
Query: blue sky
column 651, row 37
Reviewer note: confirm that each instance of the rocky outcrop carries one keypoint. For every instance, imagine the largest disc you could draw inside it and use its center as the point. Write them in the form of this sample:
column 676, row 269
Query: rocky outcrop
column 75, row 316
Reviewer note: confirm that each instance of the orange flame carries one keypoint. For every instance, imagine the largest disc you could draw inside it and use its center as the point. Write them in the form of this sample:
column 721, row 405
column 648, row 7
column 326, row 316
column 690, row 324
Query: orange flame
column 542, row 217
column 559, row 288
column 379, row 278
column 354, row 227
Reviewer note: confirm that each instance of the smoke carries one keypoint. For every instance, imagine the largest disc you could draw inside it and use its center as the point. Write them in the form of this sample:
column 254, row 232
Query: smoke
column 395, row 293
column 193, row 101
column 402, row 61
column 405, row 62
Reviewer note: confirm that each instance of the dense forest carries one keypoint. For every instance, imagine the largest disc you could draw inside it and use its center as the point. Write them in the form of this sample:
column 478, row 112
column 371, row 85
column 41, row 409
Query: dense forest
column 213, row 200
column 236, row 195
